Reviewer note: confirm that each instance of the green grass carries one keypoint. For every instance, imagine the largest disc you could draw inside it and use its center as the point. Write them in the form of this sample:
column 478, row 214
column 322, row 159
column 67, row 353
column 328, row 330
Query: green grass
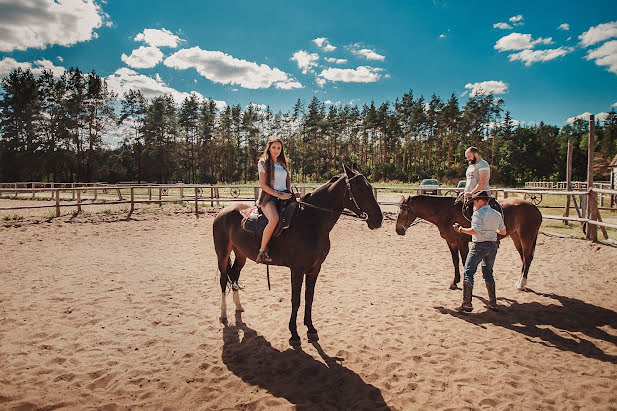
column 12, row 217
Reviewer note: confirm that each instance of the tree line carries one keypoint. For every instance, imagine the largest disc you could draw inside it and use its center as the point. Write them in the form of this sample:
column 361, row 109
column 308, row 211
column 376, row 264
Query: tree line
column 54, row 129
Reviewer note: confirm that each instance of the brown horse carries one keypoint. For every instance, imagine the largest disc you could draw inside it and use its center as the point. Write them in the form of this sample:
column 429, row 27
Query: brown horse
column 522, row 220
column 302, row 247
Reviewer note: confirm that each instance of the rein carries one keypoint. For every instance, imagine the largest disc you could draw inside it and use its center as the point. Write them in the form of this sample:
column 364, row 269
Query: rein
column 362, row 215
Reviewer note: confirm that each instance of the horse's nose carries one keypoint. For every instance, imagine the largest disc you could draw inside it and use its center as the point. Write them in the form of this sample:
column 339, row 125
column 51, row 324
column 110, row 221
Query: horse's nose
column 400, row 230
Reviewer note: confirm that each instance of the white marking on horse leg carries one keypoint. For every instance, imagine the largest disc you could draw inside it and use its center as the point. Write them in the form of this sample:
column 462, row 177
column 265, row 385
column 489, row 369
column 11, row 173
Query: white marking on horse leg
column 521, row 283
column 223, row 317
column 236, row 297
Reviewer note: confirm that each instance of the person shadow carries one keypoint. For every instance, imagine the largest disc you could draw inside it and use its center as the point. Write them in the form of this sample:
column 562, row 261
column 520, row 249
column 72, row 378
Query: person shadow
column 295, row 375
column 569, row 316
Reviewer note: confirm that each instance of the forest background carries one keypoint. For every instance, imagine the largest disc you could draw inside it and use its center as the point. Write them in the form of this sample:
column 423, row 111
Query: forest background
column 56, row 129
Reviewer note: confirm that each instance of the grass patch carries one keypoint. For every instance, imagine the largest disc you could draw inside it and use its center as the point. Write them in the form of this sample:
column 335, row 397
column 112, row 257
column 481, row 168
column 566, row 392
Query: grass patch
column 13, row 217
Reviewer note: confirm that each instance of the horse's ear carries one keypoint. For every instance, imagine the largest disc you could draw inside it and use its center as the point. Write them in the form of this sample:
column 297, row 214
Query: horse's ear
column 354, row 167
column 348, row 171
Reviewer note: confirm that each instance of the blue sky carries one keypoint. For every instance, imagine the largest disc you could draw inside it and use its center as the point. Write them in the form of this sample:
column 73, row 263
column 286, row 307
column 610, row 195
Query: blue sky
column 549, row 61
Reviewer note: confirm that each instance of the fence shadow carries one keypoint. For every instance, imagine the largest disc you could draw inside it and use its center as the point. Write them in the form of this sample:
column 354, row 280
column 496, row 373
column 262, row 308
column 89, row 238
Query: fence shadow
column 295, row 375
column 568, row 316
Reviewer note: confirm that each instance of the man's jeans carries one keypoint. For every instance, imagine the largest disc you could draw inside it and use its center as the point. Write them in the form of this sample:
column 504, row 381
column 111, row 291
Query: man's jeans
column 484, row 252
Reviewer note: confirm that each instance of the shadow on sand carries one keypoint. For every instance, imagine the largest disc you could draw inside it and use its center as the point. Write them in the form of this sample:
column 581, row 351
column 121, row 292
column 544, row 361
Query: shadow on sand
column 570, row 317
column 295, row 375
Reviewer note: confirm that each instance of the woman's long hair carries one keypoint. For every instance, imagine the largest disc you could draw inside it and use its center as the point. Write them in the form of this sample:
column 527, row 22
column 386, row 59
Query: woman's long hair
column 269, row 163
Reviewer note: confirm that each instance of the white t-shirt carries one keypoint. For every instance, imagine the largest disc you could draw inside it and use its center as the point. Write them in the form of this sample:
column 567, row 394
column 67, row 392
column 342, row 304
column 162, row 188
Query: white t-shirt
column 280, row 176
column 473, row 175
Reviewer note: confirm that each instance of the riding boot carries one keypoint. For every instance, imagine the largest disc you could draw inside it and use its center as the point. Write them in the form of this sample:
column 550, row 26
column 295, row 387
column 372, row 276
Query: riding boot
column 492, row 298
column 467, row 293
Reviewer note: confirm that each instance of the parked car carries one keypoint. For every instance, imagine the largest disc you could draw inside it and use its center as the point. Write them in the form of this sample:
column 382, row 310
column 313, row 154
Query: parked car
column 461, row 184
column 429, row 186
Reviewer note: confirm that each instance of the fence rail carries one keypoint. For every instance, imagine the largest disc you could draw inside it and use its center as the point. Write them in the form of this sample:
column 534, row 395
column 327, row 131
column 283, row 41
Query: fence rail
column 216, row 194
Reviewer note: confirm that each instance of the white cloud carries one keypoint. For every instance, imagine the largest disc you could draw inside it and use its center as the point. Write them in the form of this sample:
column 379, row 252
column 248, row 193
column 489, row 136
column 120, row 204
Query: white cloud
column 60, row 59
column 324, row 44
column 330, row 102
column 599, row 33
column 125, row 79
column 534, row 56
column 158, row 38
column 39, row 23
column 442, row 36
column 605, row 55
column 306, row 61
column 585, row 116
column 9, row 64
column 335, row 60
column 614, row 104
column 361, row 74
column 486, row 87
column 368, row 54
column 516, row 20
column 143, row 57
column 320, row 81
column 222, row 68
column 503, row 26
column 564, row 27
column 519, row 41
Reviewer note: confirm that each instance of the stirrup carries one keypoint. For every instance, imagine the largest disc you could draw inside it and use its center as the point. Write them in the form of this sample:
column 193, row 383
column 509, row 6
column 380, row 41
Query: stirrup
column 263, row 257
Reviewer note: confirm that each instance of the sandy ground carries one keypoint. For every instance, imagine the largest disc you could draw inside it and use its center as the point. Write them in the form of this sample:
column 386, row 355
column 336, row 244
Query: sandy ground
column 100, row 311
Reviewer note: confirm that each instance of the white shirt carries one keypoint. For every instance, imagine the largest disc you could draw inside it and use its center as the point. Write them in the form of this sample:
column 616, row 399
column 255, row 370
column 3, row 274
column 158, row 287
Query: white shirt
column 280, row 176
column 473, row 175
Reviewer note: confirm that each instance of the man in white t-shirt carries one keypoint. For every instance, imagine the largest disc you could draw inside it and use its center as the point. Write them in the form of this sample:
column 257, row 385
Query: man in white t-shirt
column 478, row 173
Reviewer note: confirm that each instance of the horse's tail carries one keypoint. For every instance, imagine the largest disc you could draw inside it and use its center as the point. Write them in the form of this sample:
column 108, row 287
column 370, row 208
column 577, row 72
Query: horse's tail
column 533, row 247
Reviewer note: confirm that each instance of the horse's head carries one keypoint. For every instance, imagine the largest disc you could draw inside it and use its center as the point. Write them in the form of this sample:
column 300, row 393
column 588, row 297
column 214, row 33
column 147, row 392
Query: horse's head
column 406, row 216
column 360, row 198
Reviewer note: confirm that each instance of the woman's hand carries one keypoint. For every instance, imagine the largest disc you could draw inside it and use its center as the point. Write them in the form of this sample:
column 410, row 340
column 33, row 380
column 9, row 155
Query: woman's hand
column 284, row 196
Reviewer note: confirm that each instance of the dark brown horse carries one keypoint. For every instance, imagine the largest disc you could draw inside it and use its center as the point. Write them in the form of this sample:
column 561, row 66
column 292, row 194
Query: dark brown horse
column 522, row 220
column 302, row 247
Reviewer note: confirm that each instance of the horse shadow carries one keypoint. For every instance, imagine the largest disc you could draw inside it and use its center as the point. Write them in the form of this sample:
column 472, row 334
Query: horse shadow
column 295, row 375
column 569, row 317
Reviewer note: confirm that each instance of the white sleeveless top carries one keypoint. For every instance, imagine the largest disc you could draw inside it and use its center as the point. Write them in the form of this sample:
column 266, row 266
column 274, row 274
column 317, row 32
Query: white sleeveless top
column 280, row 176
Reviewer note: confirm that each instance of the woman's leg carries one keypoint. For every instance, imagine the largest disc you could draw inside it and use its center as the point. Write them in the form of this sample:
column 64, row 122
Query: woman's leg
column 271, row 213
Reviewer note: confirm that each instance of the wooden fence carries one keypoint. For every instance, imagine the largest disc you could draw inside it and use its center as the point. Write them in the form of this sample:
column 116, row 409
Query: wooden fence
column 82, row 195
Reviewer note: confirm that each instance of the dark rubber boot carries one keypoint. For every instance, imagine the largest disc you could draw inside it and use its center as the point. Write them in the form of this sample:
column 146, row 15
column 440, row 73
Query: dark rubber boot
column 492, row 298
column 467, row 293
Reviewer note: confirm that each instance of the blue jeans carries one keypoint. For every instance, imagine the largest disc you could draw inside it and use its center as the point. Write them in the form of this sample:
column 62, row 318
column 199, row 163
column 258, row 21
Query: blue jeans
column 485, row 253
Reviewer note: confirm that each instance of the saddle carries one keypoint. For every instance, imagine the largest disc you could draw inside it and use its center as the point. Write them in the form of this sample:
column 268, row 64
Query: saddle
column 255, row 221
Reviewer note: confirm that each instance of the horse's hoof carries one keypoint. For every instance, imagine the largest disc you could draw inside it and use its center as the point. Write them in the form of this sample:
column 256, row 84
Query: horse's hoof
column 295, row 342
column 223, row 320
column 453, row 286
column 312, row 337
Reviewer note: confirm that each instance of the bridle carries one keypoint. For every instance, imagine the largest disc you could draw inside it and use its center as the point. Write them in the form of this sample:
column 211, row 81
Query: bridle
column 357, row 213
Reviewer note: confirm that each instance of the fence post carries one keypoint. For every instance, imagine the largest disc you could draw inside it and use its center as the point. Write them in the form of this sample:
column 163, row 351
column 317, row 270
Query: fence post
column 132, row 201
column 72, row 192
column 78, row 201
column 57, row 203
column 150, row 193
column 211, row 197
column 181, row 192
column 592, row 229
column 160, row 196
column 15, row 190
column 568, row 180
column 216, row 192
column 95, row 191
column 119, row 194
column 196, row 202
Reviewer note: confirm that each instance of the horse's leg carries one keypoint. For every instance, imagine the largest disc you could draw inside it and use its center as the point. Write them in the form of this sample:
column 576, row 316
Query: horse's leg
column 224, row 268
column 297, row 278
column 522, row 281
column 528, row 244
column 309, row 292
column 463, row 249
column 234, row 275
column 222, row 247
column 457, row 270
